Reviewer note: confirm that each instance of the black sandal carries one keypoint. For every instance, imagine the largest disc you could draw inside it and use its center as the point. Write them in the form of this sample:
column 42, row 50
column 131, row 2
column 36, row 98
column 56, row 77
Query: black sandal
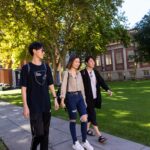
column 101, row 139
column 90, row 133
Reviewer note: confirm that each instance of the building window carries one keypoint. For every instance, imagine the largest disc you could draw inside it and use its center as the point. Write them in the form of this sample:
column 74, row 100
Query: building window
column 146, row 72
column 131, row 56
column 98, row 61
column 119, row 59
column 108, row 59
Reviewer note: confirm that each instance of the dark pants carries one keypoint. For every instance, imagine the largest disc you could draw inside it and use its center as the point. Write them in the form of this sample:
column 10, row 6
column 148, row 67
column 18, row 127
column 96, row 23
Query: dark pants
column 40, row 123
column 91, row 114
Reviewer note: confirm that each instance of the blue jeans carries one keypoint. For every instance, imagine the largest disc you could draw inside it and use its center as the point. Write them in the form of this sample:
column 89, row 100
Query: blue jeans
column 74, row 103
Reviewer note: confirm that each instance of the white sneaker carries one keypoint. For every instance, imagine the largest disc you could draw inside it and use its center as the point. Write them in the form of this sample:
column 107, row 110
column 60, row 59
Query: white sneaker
column 77, row 146
column 87, row 145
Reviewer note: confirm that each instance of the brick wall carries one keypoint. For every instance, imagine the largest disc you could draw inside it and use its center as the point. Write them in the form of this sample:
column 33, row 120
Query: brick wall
column 6, row 76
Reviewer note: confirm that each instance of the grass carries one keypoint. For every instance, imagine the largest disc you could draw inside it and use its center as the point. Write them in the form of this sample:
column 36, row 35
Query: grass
column 126, row 114
column 2, row 146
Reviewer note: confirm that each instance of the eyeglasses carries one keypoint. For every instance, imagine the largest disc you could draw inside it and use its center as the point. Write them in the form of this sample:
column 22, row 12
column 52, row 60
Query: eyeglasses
column 43, row 50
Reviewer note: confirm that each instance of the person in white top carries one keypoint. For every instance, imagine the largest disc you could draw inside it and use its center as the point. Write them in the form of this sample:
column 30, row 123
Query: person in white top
column 92, row 82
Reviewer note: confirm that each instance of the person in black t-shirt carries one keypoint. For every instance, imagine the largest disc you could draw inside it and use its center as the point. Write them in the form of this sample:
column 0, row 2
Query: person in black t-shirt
column 36, row 80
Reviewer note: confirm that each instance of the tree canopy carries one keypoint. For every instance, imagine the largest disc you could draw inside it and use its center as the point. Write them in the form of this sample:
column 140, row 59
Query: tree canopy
column 142, row 37
column 85, row 27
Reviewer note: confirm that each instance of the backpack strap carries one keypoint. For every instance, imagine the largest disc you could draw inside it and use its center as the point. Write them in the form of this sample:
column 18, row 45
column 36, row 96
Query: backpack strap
column 45, row 66
column 28, row 66
column 67, row 82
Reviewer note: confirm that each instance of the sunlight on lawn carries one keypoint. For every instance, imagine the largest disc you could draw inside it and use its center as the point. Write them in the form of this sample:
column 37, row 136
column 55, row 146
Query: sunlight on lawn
column 120, row 98
column 101, row 114
column 15, row 102
column 117, row 96
column 145, row 125
column 120, row 113
column 145, row 91
column 126, row 121
column 16, row 91
column 120, row 92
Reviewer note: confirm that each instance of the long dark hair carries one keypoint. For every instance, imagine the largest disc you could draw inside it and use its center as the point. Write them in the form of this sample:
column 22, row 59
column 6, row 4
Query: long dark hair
column 71, row 60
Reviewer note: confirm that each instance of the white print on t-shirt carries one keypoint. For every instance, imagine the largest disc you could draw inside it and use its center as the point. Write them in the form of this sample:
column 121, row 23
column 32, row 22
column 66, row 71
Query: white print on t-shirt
column 38, row 74
column 40, row 77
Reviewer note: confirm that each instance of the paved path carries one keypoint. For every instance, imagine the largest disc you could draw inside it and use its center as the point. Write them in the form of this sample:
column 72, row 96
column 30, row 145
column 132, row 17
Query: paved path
column 15, row 132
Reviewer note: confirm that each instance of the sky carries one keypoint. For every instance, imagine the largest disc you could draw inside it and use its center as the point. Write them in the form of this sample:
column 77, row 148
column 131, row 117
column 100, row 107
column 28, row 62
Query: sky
column 135, row 10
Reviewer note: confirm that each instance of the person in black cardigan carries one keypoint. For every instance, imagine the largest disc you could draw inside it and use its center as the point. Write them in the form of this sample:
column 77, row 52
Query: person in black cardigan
column 92, row 82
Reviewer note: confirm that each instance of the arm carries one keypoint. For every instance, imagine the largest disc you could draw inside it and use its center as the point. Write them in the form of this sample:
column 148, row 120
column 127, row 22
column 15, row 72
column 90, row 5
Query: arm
column 23, row 83
column 109, row 92
column 52, row 89
column 24, row 99
column 63, row 88
column 101, row 81
column 103, row 84
column 83, row 91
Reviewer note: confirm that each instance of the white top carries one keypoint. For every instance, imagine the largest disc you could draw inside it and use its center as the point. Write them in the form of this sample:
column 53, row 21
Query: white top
column 93, row 83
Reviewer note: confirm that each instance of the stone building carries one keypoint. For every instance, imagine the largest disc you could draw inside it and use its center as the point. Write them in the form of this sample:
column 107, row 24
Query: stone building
column 116, row 63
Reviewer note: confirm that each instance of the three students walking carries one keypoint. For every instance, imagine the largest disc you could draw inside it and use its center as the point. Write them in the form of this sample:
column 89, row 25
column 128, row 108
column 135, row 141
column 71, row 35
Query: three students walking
column 80, row 93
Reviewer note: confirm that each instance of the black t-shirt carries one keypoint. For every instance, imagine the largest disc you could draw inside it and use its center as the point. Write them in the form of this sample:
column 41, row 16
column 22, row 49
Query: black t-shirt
column 37, row 80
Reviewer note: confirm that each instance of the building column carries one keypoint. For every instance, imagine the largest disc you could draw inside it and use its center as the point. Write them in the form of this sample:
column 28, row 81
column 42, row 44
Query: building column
column 103, row 62
column 125, row 74
column 125, row 58
column 113, row 60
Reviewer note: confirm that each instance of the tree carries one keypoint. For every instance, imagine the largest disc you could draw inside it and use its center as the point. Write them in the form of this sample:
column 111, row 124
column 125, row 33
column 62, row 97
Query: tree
column 15, row 36
column 63, row 26
column 142, row 37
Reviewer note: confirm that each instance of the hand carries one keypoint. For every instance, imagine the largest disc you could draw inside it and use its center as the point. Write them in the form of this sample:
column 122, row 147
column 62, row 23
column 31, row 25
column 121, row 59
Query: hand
column 109, row 92
column 56, row 105
column 26, row 111
column 62, row 104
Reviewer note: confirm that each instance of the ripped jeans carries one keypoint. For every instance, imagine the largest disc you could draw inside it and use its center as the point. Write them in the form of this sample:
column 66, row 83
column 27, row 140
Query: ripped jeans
column 75, row 103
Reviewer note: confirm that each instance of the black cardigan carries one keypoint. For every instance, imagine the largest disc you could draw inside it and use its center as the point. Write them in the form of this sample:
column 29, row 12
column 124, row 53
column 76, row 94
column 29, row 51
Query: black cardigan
column 88, row 89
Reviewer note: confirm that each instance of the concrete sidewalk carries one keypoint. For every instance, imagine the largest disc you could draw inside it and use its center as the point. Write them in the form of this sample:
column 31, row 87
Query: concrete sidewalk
column 15, row 132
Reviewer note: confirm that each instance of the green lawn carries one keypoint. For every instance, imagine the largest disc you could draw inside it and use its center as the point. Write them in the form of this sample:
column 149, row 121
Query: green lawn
column 2, row 146
column 126, row 114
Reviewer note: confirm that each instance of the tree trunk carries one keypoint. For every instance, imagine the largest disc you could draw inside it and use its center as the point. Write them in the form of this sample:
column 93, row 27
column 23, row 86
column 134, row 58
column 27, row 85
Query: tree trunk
column 56, row 66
